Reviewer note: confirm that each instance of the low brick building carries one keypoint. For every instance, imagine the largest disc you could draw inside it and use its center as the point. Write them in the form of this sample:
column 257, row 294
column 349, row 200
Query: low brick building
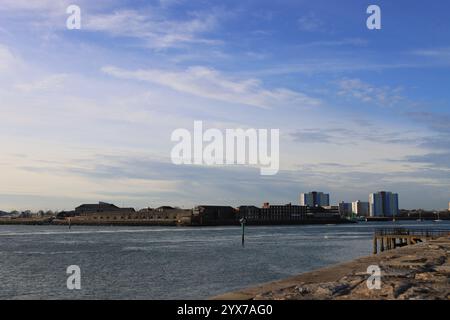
column 273, row 214
column 214, row 215
column 101, row 207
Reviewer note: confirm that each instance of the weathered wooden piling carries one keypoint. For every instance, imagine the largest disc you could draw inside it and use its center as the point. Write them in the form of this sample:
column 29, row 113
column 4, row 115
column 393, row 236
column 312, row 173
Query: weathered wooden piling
column 393, row 238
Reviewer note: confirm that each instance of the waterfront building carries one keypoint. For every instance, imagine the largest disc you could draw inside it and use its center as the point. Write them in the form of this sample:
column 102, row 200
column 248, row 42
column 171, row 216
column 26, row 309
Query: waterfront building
column 101, row 207
column 345, row 208
column 213, row 215
column 323, row 212
column 383, row 204
column 360, row 208
column 164, row 208
column 288, row 212
column 65, row 214
column 328, row 210
column 165, row 213
column 273, row 214
column 315, row 199
column 250, row 213
column 108, row 213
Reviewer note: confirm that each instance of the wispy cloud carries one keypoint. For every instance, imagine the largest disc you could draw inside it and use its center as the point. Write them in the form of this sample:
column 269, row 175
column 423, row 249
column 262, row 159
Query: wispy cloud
column 211, row 84
column 435, row 160
column 155, row 28
column 439, row 124
column 168, row 3
column 34, row 5
column 8, row 61
column 317, row 136
column 331, row 65
column 358, row 42
column 154, row 25
column 437, row 121
column 439, row 53
column 365, row 92
column 353, row 136
column 310, row 22
column 51, row 82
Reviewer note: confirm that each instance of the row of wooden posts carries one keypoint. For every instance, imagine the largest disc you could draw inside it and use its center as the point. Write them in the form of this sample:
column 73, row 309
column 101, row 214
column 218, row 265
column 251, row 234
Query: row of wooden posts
column 393, row 242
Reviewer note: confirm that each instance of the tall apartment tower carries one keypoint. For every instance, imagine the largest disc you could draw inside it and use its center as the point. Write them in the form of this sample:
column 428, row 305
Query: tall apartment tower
column 383, row 204
column 315, row 199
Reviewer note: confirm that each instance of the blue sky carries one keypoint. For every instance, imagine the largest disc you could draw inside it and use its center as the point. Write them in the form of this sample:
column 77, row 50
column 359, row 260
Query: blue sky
column 86, row 115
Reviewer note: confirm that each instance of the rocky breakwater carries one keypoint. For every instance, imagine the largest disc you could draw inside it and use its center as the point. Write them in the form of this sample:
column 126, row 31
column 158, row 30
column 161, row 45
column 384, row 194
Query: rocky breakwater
column 419, row 271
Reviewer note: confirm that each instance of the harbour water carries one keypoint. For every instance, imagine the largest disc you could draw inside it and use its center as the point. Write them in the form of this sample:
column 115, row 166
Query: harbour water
column 170, row 263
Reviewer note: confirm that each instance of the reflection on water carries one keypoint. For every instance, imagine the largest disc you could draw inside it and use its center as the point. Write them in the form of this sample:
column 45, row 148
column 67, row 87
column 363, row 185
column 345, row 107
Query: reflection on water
column 170, row 263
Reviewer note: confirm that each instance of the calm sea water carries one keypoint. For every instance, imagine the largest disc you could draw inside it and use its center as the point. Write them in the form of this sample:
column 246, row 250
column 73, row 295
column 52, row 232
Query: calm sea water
column 170, row 263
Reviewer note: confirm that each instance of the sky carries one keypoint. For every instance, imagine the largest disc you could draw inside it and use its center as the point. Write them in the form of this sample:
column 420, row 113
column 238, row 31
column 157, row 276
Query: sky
column 87, row 115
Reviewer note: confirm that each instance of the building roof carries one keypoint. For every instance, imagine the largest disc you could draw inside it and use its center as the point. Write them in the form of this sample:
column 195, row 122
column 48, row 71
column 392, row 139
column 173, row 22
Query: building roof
column 97, row 205
column 213, row 206
column 165, row 208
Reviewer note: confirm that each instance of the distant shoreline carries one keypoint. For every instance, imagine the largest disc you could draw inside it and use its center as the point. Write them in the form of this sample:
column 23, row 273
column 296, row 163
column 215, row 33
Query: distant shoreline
column 158, row 223
column 175, row 223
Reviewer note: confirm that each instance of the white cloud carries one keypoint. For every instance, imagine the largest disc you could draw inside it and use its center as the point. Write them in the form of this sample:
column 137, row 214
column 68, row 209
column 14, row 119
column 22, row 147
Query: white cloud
column 33, row 5
column 356, row 42
column 154, row 28
column 440, row 53
column 151, row 24
column 8, row 60
column 365, row 92
column 211, row 84
column 50, row 82
column 310, row 22
column 168, row 3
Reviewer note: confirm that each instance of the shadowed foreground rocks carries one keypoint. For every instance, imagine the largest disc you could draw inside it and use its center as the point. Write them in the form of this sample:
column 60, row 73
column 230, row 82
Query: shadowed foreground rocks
column 414, row 272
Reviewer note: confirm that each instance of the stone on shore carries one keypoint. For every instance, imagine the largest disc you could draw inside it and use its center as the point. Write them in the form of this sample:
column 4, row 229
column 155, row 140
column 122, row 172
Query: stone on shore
column 414, row 272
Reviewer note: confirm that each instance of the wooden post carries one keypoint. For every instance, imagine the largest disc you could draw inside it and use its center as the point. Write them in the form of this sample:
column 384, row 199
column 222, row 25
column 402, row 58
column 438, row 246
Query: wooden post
column 243, row 221
column 375, row 245
column 382, row 244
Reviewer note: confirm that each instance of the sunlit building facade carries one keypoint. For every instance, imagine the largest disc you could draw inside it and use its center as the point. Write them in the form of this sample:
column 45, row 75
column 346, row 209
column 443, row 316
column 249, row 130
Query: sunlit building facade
column 315, row 199
column 383, row 204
